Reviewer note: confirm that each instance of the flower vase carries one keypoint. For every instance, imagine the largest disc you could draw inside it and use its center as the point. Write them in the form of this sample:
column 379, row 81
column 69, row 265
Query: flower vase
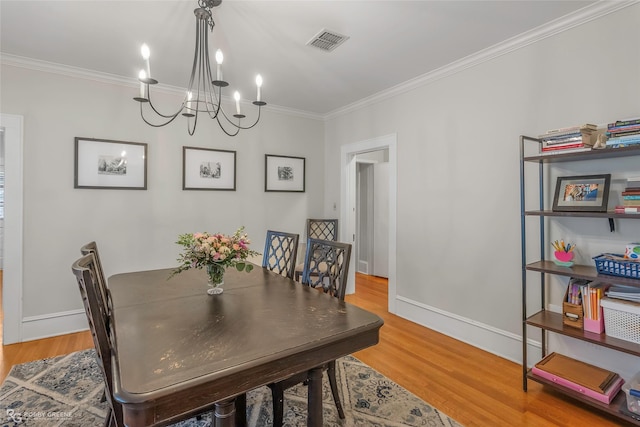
column 216, row 278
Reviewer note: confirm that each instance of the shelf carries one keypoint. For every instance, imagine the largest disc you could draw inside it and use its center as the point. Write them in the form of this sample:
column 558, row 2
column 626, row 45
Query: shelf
column 583, row 214
column 604, row 153
column 581, row 272
column 618, row 402
column 551, row 321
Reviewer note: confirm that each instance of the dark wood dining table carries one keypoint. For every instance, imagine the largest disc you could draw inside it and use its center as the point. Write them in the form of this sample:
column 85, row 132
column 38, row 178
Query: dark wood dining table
column 180, row 350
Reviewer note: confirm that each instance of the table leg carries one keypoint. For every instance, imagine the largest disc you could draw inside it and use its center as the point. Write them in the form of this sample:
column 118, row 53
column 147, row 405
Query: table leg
column 225, row 413
column 241, row 410
column 314, row 400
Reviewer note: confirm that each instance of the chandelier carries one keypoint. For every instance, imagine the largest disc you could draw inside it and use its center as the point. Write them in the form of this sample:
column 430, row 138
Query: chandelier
column 204, row 94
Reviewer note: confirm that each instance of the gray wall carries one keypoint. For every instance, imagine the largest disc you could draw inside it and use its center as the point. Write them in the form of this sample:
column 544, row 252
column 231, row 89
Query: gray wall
column 458, row 213
column 136, row 230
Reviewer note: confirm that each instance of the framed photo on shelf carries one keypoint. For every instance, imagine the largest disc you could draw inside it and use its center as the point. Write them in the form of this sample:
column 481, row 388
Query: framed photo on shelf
column 208, row 169
column 284, row 173
column 107, row 164
column 587, row 193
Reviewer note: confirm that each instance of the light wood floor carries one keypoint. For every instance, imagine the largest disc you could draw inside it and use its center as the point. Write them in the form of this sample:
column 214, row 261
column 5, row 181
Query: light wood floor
column 474, row 387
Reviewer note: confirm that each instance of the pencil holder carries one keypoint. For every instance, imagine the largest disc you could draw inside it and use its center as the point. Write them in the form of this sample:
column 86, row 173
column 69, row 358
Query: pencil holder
column 563, row 258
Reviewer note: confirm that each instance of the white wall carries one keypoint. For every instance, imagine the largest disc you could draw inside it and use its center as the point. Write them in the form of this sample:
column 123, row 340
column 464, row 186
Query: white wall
column 458, row 214
column 135, row 229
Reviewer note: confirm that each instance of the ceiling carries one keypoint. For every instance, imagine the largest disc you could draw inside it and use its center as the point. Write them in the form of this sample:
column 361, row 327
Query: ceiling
column 390, row 42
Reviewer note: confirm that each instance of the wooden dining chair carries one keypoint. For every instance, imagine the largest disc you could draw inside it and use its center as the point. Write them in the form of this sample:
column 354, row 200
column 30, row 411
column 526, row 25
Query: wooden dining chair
column 99, row 318
column 92, row 248
column 280, row 252
column 323, row 229
column 326, row 267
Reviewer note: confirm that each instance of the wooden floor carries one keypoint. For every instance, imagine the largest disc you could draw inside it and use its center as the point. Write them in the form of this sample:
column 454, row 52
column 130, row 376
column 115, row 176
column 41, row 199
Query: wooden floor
column 474, row 387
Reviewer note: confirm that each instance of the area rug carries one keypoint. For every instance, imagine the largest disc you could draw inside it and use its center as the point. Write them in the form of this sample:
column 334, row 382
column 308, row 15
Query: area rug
column 66, row 391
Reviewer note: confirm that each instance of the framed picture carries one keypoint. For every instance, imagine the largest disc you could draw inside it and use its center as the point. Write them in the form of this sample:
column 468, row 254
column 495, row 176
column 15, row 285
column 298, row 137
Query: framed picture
column 588, row 193
column 208, row 169
column 106, row 164
column 284, row 173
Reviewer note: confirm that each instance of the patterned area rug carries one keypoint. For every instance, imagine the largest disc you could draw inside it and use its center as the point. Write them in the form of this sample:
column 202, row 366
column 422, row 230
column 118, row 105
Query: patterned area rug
column 66, row 391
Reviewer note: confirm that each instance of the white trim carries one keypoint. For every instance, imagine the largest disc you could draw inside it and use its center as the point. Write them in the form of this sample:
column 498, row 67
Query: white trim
column 347, row 153
column 579, row 17
column 12, row 297
column 100, row 77
column 50, row 325
column 496, row 341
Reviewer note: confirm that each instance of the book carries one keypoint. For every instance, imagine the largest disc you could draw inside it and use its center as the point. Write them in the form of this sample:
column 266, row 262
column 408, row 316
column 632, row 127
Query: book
column 566, row 150
column 567, row 131
column 622, row 128
column 627, row 209
column 561, row 141
column 631, row 192
column 634, row 196
column 625, row 122
column 562, row 146
column 578, row 372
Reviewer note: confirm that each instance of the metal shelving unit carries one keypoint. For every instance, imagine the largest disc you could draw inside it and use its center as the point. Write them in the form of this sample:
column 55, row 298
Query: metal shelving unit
column 550, row 322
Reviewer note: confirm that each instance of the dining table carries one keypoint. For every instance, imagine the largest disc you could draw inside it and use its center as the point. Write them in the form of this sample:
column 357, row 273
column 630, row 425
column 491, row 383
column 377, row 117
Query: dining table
column 179, row 350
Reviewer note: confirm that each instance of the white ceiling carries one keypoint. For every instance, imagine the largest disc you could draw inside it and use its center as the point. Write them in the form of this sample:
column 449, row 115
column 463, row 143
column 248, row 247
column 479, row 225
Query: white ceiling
column 390, row 42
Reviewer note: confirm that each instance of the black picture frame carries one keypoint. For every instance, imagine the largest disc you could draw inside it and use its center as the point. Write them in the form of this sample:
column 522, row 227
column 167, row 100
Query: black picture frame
column 584, row 193
column 284, row 173
column 107, row 164
column 208, row 169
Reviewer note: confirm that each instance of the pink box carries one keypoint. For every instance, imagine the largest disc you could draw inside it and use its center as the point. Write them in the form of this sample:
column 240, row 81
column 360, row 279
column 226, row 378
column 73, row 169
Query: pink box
column 596, row 326
column 606, row 397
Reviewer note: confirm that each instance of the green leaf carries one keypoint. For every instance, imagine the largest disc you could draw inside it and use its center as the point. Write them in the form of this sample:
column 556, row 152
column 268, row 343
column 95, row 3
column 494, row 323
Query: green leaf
column 240, row 266
column 248, row 267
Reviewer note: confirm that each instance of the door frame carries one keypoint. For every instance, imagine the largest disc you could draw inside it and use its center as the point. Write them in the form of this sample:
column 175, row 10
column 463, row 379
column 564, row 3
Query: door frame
column 347, row 196
column 13, row 233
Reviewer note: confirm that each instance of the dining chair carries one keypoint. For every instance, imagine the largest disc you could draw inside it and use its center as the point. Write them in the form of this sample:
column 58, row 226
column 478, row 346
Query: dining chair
column 92, row 248
column 99, row 318
column 280, row 252
column 326, row 267
column 323, row 229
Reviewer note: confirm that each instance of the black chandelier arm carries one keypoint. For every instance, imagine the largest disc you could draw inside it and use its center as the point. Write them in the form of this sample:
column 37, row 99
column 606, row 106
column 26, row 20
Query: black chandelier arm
column 171, row 118
column 166, row 116
column 226, row 131
column 238, row 125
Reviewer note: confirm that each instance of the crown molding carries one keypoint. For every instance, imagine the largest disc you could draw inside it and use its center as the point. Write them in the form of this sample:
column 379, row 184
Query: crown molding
column 577, row 18
column 101, row 77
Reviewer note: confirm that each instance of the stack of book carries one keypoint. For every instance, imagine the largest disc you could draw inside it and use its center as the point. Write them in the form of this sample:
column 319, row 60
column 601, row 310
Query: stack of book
column 630, row 196
column 592, row 381
column 575, row 138
column 623, row 133
column 627, row 293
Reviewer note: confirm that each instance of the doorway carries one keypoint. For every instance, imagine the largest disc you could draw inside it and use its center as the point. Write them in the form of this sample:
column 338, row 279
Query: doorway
column 372, row 213
column 348, row 197
column 12, row 263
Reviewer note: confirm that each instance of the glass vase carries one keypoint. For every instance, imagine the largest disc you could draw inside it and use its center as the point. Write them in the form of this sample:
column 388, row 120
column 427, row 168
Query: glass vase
column 215, row 272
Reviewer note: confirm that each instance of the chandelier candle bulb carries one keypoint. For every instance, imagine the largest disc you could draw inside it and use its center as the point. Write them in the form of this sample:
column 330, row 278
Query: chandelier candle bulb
column 219, row 59
column 236, row 96
column 146, row 53
column 189, row 96
column 258, row 85
column 143, row 87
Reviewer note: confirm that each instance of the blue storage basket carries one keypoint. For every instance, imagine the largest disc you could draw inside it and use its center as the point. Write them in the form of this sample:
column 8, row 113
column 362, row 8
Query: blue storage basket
column 604, row 265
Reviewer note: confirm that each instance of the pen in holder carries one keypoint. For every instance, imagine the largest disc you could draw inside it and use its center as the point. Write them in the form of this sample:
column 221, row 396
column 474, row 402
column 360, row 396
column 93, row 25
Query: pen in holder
column 563, row 253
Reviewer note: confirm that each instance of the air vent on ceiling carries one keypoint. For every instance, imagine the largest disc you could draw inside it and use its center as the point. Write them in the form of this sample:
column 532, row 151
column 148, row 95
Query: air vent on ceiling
column 327, row 40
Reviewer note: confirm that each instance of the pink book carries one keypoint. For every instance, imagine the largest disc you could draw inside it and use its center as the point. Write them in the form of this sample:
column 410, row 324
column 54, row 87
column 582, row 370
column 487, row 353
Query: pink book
column 605, row 397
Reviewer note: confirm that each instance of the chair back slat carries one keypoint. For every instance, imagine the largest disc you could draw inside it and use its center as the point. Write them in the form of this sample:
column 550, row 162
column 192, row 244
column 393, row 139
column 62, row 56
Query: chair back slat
column 280, row 252
column 326, row 265
column 100, row 320
column 323, row 229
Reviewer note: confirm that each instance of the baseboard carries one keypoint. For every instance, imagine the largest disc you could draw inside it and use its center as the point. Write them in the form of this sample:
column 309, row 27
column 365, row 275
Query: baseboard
column 486, row 337
column 50, row 325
